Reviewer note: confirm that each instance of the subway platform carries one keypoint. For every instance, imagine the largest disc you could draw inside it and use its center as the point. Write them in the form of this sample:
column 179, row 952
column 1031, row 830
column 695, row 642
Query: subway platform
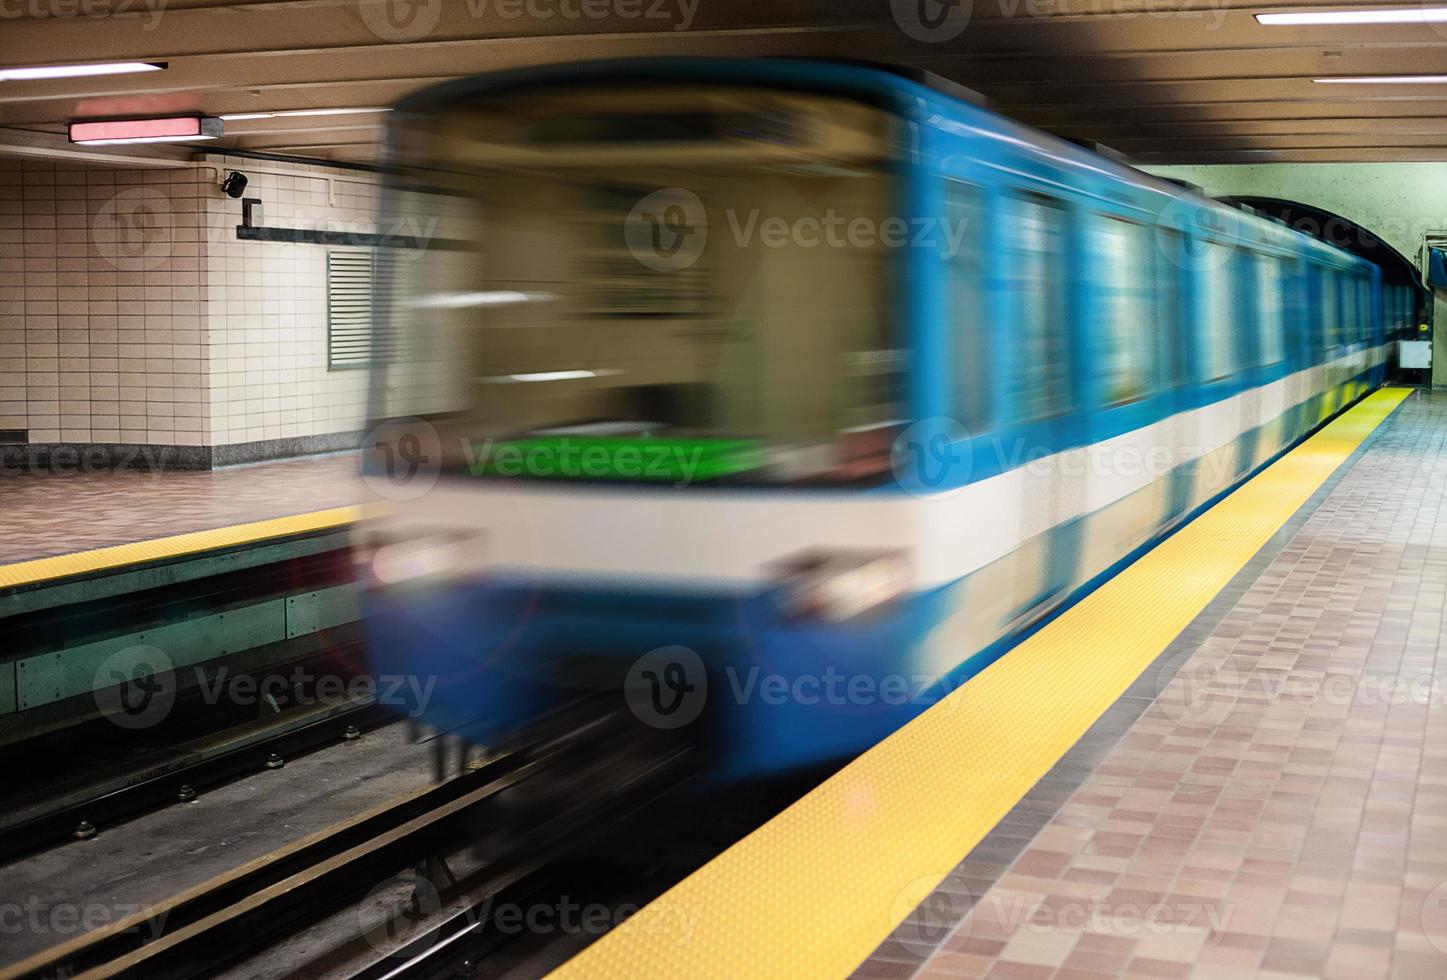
column 1230, row 760
column 1270, row 797
column 74, row 520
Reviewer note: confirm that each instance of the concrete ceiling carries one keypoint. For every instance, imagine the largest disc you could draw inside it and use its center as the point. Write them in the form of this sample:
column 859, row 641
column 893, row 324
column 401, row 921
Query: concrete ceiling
column 1164, row 81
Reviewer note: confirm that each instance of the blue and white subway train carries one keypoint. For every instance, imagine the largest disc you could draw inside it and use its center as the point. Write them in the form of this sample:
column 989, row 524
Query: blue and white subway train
column 782, row 396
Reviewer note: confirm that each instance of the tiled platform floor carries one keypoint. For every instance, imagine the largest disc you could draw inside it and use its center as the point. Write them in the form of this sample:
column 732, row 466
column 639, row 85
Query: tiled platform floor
column 60, row 513
column 1270, row 798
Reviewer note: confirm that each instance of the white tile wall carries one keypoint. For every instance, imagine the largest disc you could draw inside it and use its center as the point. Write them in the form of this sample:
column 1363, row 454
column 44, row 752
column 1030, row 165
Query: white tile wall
column 129, row 311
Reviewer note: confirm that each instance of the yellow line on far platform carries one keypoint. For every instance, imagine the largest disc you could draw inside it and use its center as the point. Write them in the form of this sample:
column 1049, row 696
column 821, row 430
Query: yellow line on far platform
column 175, row 546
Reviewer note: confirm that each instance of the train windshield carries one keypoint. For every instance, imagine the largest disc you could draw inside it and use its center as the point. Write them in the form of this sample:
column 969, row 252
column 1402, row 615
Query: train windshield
column 690, row 289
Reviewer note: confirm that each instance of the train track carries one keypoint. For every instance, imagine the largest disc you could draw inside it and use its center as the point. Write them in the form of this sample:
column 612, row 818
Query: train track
column 122, row 791
column 503, row 820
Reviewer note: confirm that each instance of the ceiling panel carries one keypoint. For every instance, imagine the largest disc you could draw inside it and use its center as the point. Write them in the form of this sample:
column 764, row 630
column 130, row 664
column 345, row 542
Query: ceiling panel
column 1164, row 80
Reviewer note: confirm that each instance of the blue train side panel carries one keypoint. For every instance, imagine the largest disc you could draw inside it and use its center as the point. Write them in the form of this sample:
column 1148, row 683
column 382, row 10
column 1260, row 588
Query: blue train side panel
column 504, row 652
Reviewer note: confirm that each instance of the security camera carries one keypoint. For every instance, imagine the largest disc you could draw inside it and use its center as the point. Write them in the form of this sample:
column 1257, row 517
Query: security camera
column 235, row 184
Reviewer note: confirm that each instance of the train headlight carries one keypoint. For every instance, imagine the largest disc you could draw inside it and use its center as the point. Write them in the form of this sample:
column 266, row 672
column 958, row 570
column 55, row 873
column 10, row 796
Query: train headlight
column 422, row 557
column 840, row 585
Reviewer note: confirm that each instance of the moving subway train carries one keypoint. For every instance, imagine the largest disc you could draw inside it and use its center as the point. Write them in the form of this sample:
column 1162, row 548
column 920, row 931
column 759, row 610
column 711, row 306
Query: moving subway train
column 780, row 397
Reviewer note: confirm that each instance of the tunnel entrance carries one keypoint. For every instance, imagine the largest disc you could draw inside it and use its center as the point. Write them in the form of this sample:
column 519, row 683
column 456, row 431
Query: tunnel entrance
column 1397, row 269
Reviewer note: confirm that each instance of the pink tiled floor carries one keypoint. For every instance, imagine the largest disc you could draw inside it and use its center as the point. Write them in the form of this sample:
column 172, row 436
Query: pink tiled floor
column 1280, row 809
column 60, row 513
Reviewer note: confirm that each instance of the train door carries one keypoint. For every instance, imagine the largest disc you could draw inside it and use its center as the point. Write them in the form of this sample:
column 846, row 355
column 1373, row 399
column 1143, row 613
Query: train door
column 1298, row 341
column 1174, row 277
column 1043, row 398
column 1332, row 373
column 1267, row 276
column 1223, row 358
column 1124, row 488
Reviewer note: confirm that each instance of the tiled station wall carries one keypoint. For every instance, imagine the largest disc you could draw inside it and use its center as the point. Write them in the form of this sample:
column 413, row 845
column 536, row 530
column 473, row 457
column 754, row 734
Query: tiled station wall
column 131, row 314
column 101, row 336
column 266, row 343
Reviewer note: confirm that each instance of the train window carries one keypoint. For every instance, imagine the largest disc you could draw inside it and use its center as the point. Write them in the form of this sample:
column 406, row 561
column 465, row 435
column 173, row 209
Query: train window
column 1330, row 321
column 967, row 316
column 1364, row 309
column 1168, row 305
column 1040, row 284
column 1219, row 345
column 1127, row 359
column 1350, row 323
column 1269, row 319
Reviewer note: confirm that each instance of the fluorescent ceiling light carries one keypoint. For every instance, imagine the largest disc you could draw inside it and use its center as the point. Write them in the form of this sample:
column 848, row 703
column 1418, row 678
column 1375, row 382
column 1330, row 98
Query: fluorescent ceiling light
column 575, row 375
column 171, row 129
column 1384, row 80
column 1401, row 15
column 461, row 301
column 284, row 113
column 77, row 71
column 143, row 139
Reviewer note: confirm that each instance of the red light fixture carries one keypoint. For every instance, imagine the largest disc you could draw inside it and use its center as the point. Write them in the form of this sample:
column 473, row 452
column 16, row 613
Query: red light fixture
column 170, row 129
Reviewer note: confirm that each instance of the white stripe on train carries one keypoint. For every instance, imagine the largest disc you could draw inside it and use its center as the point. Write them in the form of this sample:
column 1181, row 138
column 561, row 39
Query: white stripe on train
column 706, row 541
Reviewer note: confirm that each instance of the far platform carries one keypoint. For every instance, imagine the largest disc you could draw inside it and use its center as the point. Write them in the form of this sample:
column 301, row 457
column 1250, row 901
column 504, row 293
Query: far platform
column 67, row 511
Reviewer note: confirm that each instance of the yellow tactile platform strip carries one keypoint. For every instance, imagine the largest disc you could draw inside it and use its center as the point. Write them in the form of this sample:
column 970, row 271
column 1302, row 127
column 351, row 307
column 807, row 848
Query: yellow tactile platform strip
column 174, row 546
column 817, row 888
